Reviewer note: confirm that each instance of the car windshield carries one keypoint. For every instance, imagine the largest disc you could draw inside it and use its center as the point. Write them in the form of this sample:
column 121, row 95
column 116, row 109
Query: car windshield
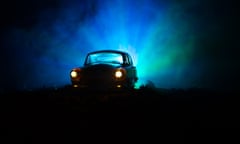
column 104, row 57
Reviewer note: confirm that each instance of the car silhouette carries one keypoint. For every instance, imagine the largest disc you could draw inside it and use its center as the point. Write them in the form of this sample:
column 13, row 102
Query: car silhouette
column 105, row 69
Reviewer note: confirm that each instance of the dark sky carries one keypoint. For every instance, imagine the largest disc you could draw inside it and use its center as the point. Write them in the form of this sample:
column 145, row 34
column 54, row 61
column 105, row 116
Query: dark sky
column 214, row 24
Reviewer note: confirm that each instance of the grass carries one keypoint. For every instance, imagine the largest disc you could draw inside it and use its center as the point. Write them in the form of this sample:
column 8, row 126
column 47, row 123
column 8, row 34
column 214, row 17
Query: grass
column 164, row 115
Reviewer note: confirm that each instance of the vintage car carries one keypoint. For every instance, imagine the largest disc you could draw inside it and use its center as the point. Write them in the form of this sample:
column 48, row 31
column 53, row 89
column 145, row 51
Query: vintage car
column 105, row 69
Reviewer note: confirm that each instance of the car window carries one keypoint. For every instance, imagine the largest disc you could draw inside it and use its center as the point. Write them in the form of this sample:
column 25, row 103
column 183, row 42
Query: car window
column 105, row 57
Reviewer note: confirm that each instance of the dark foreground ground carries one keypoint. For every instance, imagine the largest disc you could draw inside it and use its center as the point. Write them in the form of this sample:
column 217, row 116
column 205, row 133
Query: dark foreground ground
column 145, row 115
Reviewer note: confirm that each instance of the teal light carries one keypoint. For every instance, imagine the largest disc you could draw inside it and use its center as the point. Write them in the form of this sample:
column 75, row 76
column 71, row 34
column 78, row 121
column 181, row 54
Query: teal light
column 158, row 38
column 158, row 35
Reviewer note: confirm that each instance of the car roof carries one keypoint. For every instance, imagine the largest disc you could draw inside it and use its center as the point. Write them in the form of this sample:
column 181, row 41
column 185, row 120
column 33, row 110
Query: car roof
column 110, row 51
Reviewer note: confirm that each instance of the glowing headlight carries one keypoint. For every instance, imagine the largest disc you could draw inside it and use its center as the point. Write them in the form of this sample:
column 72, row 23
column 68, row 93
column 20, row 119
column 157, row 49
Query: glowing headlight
column 74, row 74
column 118, row 74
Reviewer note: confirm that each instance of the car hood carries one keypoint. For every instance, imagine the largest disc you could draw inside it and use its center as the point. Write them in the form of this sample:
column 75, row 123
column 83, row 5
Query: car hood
column 101, row 66
column 98, row 71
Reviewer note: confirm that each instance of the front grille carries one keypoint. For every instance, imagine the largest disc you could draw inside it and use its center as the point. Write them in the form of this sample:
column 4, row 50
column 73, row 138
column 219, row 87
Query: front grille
column 97, row 77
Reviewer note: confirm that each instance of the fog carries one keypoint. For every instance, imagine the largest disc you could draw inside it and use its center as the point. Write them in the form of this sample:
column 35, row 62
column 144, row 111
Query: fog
column 173, row 44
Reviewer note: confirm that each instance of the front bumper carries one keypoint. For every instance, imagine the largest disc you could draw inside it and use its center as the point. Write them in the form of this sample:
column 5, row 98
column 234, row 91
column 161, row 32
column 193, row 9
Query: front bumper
column 99, row 85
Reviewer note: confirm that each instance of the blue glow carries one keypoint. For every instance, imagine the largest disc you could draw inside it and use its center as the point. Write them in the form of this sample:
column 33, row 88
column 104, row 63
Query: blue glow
column 157, row 35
